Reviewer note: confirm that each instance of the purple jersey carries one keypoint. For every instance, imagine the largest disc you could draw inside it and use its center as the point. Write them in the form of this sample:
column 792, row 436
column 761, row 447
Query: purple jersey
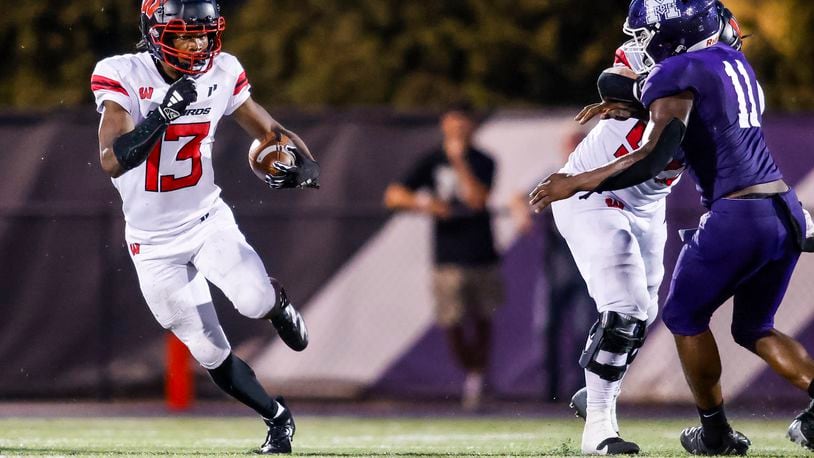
column 724, row 144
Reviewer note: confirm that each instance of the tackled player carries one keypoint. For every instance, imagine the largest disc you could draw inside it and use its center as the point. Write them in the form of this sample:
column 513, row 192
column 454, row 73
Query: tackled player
column 617, row 239
column 704, row 97
column 160, row 109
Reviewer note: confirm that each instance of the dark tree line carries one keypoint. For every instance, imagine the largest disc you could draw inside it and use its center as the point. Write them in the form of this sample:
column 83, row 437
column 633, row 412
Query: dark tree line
column 416, row 53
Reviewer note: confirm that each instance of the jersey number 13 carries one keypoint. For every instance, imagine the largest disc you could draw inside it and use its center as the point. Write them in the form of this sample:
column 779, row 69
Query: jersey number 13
column 191, row 151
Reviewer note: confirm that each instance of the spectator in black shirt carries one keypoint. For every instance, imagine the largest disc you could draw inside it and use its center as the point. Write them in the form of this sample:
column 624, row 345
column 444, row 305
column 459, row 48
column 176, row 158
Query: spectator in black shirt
column 466, row 278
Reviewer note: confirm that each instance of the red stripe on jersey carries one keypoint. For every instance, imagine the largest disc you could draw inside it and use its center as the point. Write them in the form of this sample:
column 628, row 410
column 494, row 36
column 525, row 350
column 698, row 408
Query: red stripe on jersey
column 242, row 82
column 100, row 83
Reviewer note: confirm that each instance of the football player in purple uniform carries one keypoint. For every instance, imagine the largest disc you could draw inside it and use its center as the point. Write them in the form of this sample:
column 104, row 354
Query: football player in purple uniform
column 703, row 96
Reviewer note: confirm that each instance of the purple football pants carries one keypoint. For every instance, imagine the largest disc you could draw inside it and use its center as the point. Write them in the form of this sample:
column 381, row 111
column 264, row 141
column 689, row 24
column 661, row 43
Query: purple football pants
column 746, row 248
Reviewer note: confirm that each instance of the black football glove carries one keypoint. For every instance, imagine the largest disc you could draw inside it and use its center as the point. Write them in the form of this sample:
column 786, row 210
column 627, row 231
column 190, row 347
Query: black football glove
column 303, row 174
column 179, row 96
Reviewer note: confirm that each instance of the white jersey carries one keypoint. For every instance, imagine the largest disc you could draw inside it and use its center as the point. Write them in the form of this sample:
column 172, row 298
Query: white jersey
column 611, row 139
column 175, row 186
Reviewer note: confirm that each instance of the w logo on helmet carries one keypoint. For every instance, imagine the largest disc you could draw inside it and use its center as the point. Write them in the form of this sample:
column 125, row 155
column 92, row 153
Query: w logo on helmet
column 149, row 7
column 661, row 9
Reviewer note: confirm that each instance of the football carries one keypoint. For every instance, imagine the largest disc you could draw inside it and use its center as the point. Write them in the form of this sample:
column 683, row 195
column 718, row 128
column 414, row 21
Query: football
column 263, row 155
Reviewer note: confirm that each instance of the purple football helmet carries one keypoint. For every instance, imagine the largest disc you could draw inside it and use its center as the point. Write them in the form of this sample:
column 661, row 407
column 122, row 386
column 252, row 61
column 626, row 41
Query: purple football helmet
column 665, row 28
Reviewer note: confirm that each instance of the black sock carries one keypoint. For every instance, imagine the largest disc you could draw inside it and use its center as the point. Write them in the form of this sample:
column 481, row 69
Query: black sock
column 236, row 378
column 715, row 425
column 811, row 389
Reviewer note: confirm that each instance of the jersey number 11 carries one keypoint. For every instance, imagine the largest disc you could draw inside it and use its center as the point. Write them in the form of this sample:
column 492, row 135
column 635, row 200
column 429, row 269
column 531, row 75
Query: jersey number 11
column 746, row 117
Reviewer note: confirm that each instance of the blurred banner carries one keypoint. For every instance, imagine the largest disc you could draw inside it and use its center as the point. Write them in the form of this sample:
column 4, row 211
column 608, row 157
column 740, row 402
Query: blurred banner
column 75, row 324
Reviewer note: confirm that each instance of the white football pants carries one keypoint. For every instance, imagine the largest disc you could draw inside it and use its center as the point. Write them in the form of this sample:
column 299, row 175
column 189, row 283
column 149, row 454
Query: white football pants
column 173, row 278
column 619, row 252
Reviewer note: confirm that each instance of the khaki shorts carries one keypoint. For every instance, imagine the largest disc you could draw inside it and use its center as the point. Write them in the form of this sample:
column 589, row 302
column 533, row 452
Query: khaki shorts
column 462, row 291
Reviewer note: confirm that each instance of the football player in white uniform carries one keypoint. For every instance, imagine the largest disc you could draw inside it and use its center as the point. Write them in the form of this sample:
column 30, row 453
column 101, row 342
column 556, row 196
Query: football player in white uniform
column 160, row 109
column 617, row 239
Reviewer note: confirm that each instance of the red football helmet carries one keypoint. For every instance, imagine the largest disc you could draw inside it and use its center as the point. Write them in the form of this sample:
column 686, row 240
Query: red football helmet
column 162, row 20
column 628, row 55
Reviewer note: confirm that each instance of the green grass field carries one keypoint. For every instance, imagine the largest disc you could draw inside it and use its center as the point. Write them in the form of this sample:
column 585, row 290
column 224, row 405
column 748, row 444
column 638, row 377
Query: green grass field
column 343, row 436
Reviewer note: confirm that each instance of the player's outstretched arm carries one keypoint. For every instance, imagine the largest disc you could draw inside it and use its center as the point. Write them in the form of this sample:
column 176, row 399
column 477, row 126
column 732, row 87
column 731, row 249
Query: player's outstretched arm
column 258, row 123
column 116, row 121
column 662, row 137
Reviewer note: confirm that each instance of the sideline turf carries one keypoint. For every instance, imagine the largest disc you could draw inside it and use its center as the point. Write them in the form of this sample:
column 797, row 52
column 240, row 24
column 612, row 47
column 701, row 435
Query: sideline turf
column 342, row 436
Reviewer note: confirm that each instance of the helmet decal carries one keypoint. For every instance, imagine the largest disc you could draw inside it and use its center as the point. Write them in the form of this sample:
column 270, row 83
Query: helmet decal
column 658, row 10
column 665, row 28
column 149, row 7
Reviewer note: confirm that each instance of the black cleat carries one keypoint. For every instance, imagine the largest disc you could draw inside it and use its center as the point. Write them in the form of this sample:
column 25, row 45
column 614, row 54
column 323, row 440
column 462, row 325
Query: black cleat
column 801, row 430
column 617, row 446
column 579, row 402
column 280, row 432
column 734, row 443
column 287, row 320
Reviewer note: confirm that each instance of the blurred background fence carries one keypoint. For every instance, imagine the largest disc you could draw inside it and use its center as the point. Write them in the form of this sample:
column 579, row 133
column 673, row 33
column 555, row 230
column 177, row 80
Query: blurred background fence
column 367, row 77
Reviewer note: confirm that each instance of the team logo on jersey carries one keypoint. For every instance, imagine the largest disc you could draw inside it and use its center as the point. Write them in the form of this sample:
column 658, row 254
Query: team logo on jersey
column 135, row 248
column 658, row 10
column 145, row 93
column 671, row 173
column 614, row 203
column 149, row 7
column 197, row 111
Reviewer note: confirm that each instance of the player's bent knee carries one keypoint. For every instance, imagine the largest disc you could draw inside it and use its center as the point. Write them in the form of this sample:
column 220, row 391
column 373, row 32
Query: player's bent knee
column 255, row 301
column 208, row 345
column 615, row 340
column 682, row 322
column 747, row 338
column 208, row 354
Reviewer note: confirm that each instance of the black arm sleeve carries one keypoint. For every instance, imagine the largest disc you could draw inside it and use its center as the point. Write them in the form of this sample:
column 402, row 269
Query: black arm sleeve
column 617, row 88
column 132, row 148
column 653, row 164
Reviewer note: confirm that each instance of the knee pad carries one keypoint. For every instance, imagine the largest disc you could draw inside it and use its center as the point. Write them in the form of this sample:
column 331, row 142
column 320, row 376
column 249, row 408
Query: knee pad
column 209, row 354
column 617, row 334
column 255, row 301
